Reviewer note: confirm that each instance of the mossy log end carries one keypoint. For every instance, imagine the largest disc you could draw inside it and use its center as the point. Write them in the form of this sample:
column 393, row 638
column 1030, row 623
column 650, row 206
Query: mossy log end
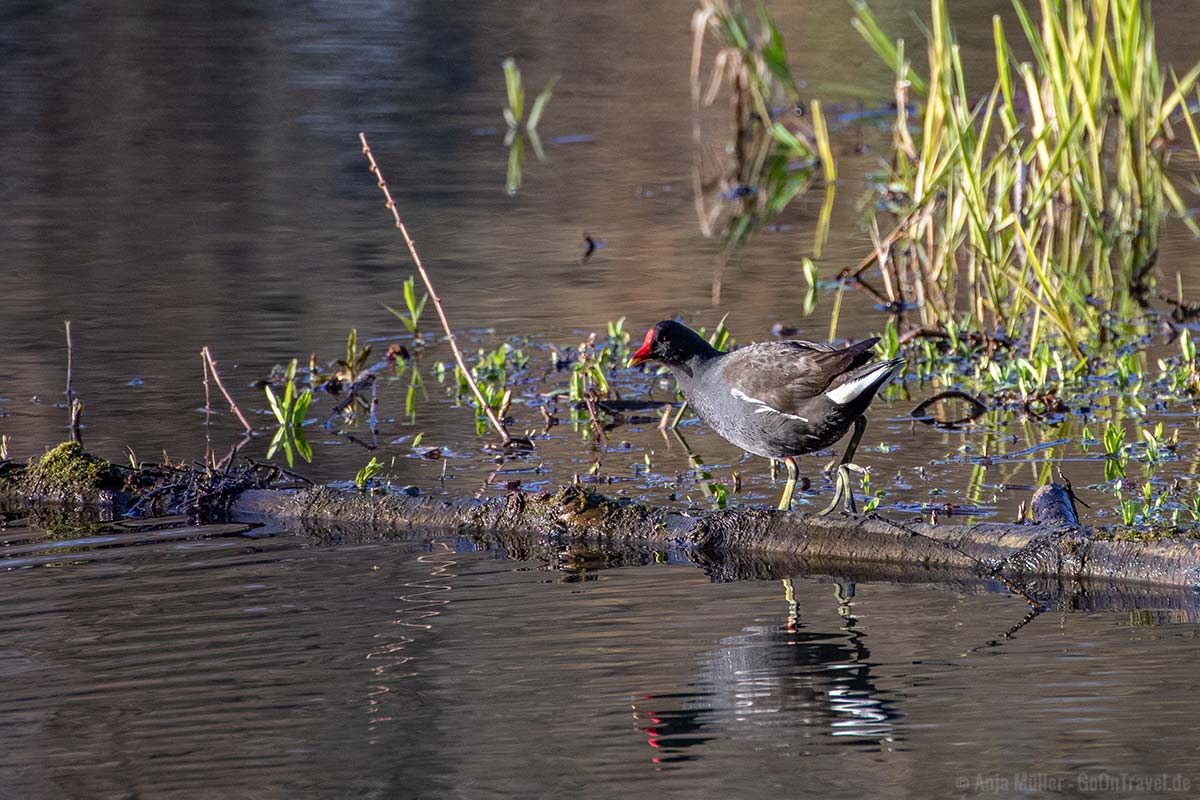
column 1055, row 547
column 65, row 475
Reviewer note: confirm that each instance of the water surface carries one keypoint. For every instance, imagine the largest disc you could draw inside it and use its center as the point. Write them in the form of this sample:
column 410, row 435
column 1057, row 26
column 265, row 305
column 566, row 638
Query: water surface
column 216, row 663
column 190, row 175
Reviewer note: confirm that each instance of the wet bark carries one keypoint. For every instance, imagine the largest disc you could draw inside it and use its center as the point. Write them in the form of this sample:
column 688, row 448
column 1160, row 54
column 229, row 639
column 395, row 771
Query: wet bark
column 1055, row 546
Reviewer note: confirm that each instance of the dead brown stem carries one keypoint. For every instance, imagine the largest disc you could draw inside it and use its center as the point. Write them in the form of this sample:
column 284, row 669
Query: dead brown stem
column 437, row 303
column 74, row 408
column 212, row 367
column 209, row 456
column 874, row 257
column 590, row 402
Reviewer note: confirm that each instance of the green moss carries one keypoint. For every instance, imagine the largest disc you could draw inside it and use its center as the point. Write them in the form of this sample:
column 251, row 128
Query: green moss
column 69, row 471
column 1149, row 534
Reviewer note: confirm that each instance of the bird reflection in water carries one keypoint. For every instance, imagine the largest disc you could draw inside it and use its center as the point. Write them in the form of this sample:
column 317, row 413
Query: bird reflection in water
column 673, row 732
column 790, row 686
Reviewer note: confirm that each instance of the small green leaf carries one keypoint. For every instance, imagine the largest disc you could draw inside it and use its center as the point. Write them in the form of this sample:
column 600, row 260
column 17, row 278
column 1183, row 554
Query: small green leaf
column 410, row 298
column 516, row 154
column 275, row 409
column 536, row 142
column 515, row 91
column 300, row 410
column 276, row 440
column 774, row 54
column 539, row 105
column 400, row 315
column 302, row 446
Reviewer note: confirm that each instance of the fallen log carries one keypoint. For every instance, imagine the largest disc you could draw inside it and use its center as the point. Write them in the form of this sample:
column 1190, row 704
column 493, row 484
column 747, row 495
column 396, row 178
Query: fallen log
column 1056, row 546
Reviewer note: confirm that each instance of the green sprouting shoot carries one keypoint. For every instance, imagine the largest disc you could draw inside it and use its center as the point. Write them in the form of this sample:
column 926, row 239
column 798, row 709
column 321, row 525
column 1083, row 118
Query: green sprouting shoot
column 290, row 412
column 412, row 318
column 365, row 475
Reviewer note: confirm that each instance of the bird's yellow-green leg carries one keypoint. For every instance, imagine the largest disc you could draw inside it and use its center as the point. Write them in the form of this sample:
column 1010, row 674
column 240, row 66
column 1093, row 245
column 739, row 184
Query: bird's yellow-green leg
column 844, row 594
column 789, row 594
column 786, row 502
column 842, row 493
column 841, row 480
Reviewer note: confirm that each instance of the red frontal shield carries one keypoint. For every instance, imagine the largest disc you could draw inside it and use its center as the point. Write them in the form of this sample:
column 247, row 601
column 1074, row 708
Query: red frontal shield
column 643, row 352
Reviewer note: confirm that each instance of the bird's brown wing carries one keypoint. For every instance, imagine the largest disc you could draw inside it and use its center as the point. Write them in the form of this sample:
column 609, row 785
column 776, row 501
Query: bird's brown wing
column 783, row 375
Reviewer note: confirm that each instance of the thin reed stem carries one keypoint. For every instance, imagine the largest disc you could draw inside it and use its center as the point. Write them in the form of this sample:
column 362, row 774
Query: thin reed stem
column 437, row 303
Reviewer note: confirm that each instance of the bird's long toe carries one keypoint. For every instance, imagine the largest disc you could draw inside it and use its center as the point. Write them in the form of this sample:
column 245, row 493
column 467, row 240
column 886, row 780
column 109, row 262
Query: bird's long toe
column 843, row 495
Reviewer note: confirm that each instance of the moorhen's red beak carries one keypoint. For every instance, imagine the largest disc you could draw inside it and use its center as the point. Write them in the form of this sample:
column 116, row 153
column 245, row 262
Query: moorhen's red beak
column 643, row 353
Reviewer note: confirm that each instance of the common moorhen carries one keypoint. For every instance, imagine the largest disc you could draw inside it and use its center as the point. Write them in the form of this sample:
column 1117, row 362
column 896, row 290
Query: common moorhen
column 775, row 399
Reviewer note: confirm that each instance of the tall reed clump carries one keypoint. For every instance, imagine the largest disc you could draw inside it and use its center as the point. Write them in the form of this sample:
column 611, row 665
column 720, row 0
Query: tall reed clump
column 774, row 154
column 1034, row 210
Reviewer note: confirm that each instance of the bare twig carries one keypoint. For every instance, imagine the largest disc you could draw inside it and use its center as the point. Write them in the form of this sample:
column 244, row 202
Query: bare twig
column 373, row 420
column 912, row 334
column 212, row 367
column 70, row 356
column 207, row 395
column 881, row 256
column 276, row 468
column 74, row 406
column 210, row 457
column 437, row 303
column 233, row 451
column 76, row 420
column 590, row 403
column 874, row 258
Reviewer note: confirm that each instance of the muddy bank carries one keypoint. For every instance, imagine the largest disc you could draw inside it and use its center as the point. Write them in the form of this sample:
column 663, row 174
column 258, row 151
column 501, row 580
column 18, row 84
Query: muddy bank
column 1057, row 547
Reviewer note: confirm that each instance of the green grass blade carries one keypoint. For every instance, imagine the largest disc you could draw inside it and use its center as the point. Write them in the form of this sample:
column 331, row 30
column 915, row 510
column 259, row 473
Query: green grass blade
column 515, row 92
column 539, row 105
column 275, row 409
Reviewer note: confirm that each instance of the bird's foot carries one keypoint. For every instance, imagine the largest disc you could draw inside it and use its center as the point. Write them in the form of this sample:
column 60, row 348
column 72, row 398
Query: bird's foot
column 842, row 493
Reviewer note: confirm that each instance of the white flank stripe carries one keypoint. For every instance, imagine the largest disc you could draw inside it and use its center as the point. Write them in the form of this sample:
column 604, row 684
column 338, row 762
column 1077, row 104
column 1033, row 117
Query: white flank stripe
column 848, row 392
column 765, row 409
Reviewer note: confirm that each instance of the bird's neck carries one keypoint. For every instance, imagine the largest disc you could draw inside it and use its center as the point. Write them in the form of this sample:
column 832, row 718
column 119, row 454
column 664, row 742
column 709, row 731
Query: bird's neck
column 688, row 370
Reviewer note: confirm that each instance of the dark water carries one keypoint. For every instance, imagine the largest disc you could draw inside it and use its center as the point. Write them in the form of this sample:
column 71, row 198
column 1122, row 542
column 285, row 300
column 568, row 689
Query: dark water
column 215, row 663
column 189, row 175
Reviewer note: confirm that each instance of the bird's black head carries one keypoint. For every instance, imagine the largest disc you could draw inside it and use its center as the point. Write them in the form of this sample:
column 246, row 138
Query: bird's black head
column 672, row 343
